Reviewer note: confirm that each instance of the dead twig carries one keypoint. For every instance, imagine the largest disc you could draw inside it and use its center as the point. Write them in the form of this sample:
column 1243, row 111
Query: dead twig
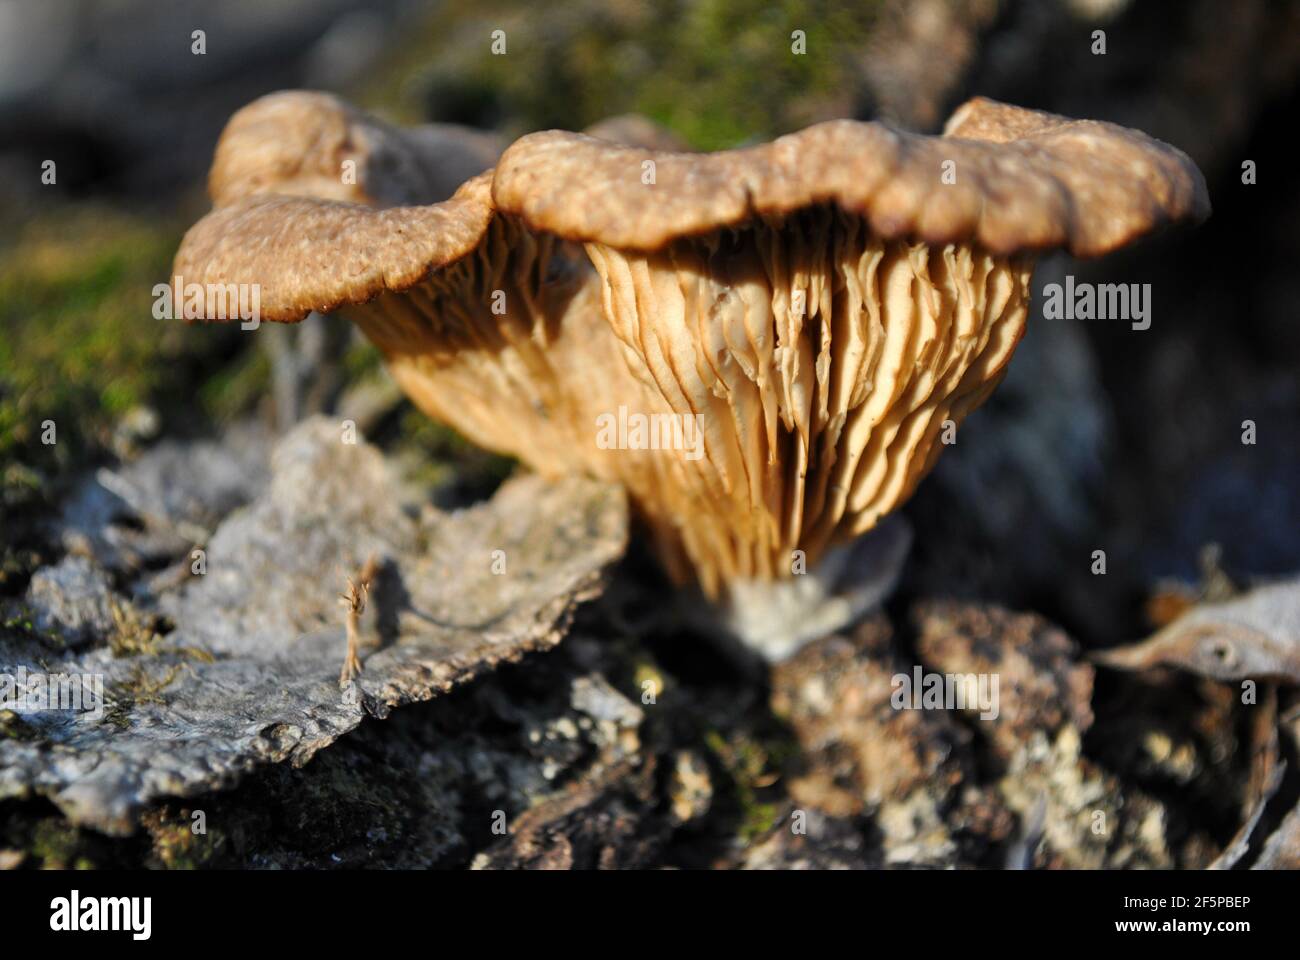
column 355, row 602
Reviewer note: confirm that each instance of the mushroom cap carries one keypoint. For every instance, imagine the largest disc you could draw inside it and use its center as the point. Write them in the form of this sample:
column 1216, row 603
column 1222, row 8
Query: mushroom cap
column 287, row 219
column 294, row 218
column 307, row 253
column 299, row 141
column 1024, row 180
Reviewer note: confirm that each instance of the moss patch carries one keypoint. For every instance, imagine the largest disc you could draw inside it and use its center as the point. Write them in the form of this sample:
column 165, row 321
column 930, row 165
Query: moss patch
column 717, row 72
column 81, row 347
column 749, row 767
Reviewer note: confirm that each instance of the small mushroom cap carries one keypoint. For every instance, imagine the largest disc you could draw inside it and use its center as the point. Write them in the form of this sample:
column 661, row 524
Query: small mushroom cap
column 288, row 219
column 1021, row 180
column 301, row 142
column 309, row 254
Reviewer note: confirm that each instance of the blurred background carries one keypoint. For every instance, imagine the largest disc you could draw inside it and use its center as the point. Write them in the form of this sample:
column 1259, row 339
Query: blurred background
column 1101, row 438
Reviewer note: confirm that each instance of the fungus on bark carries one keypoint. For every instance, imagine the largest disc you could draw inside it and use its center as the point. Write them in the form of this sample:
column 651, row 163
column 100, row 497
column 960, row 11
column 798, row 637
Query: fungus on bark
column 820, row 307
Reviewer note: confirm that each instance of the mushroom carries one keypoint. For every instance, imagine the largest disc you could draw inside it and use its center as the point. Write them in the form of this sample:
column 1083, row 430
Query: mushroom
column 828, row 301
column 305, row 143
column 819, row 307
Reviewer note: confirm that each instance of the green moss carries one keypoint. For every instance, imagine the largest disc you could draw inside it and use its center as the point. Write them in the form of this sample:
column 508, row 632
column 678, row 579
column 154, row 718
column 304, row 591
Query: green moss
column 133, row 633
column 238, row 386
column 19, row 621
column 136, row 633
column 647, row 672
column 45, row 840
column 174, row 843
column 445, row 457
column 140, row 686
column 12, row 727
column 361, row 360
column 56, row 845
column 715, row 71
column 117, row 711
column 338, row 799
column 81, row 345
column 748, row 763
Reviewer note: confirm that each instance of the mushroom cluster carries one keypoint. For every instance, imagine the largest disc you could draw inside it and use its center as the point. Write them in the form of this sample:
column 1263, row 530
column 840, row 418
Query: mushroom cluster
column 780, row 333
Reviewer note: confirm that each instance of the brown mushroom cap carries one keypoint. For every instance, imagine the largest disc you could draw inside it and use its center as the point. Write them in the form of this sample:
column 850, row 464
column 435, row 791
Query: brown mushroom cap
column 823, row 306
column 300, row 142
column 306, row 253
column 1024, row 180
column 293, row 181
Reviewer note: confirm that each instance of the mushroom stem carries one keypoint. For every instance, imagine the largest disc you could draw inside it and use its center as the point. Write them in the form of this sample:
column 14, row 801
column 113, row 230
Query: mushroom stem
column 773, row 619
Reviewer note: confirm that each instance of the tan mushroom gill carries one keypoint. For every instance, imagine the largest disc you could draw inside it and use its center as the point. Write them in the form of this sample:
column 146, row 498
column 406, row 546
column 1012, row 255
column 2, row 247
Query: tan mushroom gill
column 824, row 362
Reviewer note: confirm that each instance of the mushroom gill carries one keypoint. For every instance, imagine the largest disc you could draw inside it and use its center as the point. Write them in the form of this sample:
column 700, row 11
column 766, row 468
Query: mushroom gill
column 823, row 362
column 483, row 343
column 820, row 362
column 510, row 346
